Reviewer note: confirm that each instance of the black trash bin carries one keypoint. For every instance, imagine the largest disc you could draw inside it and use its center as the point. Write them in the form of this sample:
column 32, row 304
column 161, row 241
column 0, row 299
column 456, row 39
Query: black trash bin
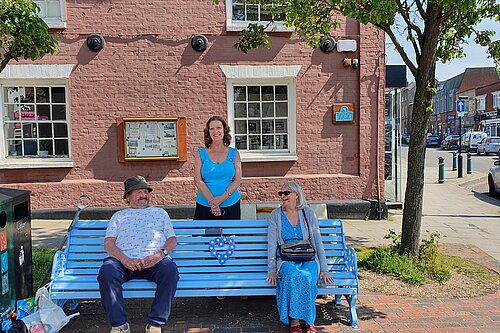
column 15, row 249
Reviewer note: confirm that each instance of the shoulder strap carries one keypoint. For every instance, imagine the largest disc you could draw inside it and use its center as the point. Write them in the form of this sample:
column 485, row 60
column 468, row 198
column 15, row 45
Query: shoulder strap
column 232, row 154
column 203, row 154
column 307, row 222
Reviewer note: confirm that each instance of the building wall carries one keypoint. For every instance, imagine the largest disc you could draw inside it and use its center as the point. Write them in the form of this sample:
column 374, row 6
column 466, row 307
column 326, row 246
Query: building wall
column 148, row 69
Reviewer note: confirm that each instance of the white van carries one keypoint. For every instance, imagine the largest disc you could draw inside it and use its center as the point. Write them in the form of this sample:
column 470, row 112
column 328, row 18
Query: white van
column 470, row 140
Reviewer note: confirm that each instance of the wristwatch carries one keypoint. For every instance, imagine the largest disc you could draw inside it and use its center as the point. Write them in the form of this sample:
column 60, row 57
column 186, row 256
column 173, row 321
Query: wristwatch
column 165, row 252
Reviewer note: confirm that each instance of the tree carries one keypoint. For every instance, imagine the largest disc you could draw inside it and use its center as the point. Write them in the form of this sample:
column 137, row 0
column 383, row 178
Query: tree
column 22, row 32
column 436, row 30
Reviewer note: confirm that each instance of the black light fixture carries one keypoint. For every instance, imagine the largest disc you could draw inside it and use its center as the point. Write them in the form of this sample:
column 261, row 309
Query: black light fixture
column 327, row 44
column 95, row 42
column 199, row 43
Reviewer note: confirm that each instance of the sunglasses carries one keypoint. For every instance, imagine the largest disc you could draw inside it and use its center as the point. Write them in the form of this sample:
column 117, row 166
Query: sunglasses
column 287, row 193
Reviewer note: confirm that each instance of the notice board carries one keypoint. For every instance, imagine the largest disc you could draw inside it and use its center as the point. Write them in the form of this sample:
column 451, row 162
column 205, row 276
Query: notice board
column 143, row 139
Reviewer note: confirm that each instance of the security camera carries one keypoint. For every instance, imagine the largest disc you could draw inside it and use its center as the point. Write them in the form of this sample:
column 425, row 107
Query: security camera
column 95, row 42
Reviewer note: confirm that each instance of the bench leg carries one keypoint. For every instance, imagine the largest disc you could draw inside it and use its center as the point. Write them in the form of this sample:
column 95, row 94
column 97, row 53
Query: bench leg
column 72, row 303
column 351, row 299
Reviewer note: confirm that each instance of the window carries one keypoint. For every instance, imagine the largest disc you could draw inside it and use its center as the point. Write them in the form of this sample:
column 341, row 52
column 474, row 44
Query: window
column 239, row 13
column 481, row 103
column 496, row 99
column 52, row 12
column 262, row 111
column 34, row 113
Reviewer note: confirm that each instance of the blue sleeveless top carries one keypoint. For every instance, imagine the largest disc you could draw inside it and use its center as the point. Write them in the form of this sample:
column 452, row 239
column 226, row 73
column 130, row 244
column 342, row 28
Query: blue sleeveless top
column 218, row 177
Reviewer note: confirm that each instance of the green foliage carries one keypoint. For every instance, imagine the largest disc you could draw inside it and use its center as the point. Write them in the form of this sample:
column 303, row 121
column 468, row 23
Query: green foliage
column 22, row 32
column 42, row 259
column 412, row 270
column 253, row 37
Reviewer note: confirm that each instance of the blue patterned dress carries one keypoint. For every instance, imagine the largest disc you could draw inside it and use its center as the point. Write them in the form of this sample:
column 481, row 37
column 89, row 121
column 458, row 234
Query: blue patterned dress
column 297, row 289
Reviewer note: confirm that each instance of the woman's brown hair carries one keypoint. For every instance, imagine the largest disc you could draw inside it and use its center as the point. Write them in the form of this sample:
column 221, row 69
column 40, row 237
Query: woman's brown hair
column 206, row 131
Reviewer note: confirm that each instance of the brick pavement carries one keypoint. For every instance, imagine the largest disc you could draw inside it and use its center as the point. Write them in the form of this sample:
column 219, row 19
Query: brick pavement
column 377, row 312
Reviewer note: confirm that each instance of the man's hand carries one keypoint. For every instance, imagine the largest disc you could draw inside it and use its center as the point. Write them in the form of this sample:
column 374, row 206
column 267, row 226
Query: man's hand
column 153, row 259
column 133, row 264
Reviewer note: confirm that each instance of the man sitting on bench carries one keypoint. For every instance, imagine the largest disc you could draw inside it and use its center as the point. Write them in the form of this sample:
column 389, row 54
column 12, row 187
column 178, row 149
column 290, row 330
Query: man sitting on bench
column 138, row 242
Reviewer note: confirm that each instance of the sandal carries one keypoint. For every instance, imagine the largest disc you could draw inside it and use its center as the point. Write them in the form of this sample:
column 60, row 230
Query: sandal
column 310, row 329
column 296, row 329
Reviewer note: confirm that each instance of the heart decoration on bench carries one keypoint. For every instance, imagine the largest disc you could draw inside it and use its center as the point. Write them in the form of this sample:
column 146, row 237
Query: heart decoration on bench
column 221, row 248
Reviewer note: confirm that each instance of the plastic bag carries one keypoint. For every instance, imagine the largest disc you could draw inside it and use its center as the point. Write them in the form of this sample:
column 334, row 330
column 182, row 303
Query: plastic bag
column 49, row 318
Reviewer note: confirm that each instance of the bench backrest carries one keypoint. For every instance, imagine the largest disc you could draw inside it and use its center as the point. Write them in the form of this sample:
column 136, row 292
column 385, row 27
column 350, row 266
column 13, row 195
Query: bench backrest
column 246, row 268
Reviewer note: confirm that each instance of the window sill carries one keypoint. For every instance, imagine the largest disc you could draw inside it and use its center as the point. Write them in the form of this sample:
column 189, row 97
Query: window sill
column 239, row 26
column 259, row 157
column 35, row 163
column 56, row 24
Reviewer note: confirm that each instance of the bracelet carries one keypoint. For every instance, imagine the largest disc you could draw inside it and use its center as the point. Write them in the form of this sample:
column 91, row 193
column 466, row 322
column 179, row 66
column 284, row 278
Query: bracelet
column 228, row 194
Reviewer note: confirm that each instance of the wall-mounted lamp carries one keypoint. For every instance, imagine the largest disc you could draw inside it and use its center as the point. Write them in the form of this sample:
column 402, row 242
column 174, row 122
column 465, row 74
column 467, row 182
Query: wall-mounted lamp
column 95, row 42
column 199, row 43
column 327, row 44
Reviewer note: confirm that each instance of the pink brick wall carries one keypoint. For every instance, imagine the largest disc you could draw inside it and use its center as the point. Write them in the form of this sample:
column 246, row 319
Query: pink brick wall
column 148, row 68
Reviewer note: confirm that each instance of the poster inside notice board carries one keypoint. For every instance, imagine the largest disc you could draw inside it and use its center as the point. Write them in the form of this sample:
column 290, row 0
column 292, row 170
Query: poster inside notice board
column 152, row 139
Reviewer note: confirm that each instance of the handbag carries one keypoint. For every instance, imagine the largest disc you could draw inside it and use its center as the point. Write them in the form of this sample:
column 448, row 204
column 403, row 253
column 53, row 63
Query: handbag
column 298, row 251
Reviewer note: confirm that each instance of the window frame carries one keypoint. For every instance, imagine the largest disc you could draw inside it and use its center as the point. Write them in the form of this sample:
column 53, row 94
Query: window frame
column 235, row 25
column 55, row 22
column 264, row 75
column 481, row 103
column 496, row 99
column 34, row 75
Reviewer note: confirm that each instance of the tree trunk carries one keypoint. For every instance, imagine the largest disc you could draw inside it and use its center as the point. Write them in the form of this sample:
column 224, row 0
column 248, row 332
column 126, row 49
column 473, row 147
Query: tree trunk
column 425, row 82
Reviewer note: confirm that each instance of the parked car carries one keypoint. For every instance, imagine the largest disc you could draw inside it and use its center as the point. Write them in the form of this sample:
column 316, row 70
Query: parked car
column 470, row 140
column 450, row 142
column 489, row 145
column 433, row 141
column 494, row 179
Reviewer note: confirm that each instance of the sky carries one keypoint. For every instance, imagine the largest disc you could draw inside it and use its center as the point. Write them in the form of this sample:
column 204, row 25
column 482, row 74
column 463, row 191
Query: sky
column 476, row 56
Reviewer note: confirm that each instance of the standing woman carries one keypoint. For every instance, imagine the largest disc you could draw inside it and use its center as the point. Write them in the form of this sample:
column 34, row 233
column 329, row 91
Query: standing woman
column 296, row 282
column 217, row 174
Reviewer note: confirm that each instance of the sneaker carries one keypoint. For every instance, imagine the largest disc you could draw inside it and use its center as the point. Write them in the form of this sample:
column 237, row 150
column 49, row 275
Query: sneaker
column 121, row 329
column 152, row 329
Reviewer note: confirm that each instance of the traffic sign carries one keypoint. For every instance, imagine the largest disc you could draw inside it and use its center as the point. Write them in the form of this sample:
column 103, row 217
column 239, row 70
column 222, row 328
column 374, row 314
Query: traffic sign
column 460, row 108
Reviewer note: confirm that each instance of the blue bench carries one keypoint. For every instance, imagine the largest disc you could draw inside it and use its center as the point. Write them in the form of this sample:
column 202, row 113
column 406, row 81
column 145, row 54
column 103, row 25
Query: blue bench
column 75, row 268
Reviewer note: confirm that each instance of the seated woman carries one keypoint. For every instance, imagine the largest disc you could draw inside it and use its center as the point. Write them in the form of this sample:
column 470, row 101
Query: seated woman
column 296, row 282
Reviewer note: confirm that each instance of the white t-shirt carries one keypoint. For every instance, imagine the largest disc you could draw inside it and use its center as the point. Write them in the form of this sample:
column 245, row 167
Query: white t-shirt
column 140, row 232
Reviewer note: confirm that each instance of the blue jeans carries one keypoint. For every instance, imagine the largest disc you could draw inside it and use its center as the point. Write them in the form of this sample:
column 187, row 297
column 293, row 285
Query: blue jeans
column 113, row 275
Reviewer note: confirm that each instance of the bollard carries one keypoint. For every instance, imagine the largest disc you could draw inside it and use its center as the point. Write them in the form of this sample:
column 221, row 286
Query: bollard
column 469, row 163
column 454, row 168
column 441, row 170
column 460, row 166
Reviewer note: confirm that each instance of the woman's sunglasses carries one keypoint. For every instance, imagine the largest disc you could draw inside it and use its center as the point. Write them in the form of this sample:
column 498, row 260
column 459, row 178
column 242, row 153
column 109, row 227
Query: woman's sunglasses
column 287, row 193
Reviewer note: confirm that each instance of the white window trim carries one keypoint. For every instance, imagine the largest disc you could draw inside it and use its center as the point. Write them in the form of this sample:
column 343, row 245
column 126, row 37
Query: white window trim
column 57, row 23
column 265, row 75
column 496, row 99
column 41, row 74
column 481, row 99
column 241, row 25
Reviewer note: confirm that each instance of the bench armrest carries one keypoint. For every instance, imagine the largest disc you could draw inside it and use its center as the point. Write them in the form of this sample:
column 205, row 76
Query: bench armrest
column 58, row 265
column 352, row 260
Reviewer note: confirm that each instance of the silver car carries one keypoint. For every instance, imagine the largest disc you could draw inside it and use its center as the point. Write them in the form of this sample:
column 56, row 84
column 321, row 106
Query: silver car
column 488, row 145
column 494, row 179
